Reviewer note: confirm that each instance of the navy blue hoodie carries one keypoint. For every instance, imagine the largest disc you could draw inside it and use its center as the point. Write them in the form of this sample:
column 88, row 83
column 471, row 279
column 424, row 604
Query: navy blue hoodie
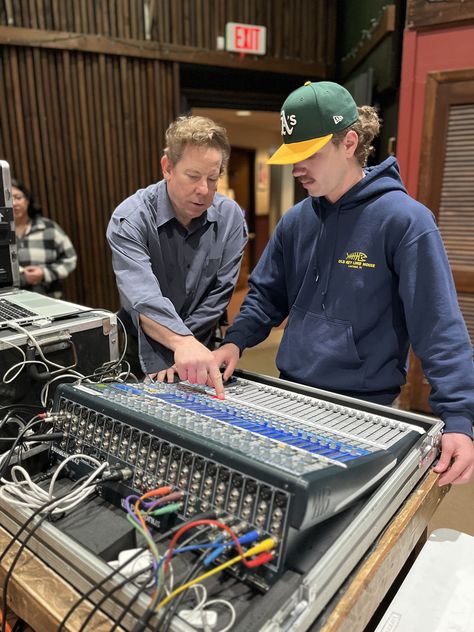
column 359, row 280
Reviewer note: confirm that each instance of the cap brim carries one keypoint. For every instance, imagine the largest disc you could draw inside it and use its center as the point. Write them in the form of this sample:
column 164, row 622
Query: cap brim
column 290, row 153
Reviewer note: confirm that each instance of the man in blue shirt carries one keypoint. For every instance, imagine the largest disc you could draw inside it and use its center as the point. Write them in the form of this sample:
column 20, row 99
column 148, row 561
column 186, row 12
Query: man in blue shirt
column 176, row 252
column 360, row 271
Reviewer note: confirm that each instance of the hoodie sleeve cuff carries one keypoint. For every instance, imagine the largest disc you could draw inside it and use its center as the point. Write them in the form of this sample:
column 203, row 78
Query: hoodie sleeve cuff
column 236, row 340
column 459, row 424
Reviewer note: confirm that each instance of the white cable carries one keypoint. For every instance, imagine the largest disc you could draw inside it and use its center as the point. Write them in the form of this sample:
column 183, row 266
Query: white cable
column 22, row 366
column 45, row 390
column 23, row 491
column 35, row 343
column 224, row 602
column 63, row 464
column 202, row 604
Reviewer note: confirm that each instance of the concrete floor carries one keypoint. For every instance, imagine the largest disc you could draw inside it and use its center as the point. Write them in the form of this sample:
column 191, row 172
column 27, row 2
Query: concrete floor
column 456, row 510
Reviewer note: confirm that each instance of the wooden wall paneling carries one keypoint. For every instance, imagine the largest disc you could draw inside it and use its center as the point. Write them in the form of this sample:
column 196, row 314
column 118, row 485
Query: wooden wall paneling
column 245, row 9
column 110, row 128
column 19, row 102
column 113, row 20
column 41, row 15
column 141, row 97
column 422, row 14
column 141, row 19
column 99, row 147
column 121, row 168
column 124, row 20
column 203, row 38
column 80, row 171
column 164, row 29
column 260, row 13
column 188, row 19
column 278, row 28
column 67, row 140
column 151, row 120
column 5, row 126
column 157, row 88
column 329, row 56
column 60, row 197
column 101, row 16
column 134, row 27
column 213, row 31
column 296, row 32
column 70, row 10
column 79, row 19
column 30, row 8
column 44, row 93
column 48, row 194
column 91, row 25
column 98, row 214
column 36, row 145
column 126, row 119
column 133, row 89
column 90, row 247
column 23, row 13
column 175, row 16
column 14, row 134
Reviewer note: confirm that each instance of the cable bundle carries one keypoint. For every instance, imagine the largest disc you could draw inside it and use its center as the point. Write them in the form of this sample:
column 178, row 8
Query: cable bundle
column 24, row 492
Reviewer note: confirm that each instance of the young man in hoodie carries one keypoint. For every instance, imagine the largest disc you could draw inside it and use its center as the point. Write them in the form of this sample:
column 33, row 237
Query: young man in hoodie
column 360, row 270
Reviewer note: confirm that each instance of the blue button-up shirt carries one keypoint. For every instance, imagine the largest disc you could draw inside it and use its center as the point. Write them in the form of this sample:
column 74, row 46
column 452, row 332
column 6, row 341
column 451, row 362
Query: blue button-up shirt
column 182, row 278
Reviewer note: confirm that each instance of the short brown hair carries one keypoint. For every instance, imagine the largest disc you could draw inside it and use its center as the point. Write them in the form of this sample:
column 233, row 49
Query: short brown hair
column 196, row 130
column 367, row 127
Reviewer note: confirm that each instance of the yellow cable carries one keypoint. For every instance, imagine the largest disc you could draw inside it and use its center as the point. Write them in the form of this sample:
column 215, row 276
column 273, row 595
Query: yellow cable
column 264, row 545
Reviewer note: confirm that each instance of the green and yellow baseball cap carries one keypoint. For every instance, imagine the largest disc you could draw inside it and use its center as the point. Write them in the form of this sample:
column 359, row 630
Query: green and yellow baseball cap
column 309, row 118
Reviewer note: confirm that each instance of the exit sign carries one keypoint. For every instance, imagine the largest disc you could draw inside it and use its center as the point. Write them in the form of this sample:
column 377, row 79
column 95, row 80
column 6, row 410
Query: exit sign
column 245, row 38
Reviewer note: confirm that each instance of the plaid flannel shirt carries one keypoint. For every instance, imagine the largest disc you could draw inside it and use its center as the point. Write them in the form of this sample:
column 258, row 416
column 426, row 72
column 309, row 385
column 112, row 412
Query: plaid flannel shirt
column 48, row 246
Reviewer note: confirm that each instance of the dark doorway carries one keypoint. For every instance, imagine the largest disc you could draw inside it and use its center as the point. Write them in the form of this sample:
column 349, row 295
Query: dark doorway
column 241, row 173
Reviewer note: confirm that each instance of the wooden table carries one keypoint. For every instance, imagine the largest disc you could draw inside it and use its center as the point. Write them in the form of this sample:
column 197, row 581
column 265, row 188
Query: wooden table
column 40, row 597
column 371, row 580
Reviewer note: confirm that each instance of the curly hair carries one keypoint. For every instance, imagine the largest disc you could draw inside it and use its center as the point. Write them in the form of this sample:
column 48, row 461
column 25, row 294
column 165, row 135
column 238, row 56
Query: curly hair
column 199, row 131
column 367, row 127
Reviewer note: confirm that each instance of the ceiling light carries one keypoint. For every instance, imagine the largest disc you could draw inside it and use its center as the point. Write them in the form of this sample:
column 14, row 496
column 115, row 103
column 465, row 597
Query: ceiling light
column 243, row 113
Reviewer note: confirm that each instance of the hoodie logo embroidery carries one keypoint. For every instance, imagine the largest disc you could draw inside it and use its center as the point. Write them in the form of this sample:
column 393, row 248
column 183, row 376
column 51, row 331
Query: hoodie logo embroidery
column 356, row 261
column 286, row 121
column 337, row 119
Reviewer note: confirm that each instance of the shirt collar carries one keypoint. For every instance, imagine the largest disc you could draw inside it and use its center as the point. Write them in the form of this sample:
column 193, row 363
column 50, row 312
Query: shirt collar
column 37, row 223
column 165, row 211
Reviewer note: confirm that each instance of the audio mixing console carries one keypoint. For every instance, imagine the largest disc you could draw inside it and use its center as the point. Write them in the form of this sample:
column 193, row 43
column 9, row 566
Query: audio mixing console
column 268, row 457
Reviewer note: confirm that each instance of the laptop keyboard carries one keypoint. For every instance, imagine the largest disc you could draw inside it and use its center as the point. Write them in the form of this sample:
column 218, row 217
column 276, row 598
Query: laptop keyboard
column 10, row 311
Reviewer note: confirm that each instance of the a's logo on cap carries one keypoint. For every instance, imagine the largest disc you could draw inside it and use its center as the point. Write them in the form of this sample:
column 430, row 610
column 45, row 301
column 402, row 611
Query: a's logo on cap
column 286, row 121
column 337, row 119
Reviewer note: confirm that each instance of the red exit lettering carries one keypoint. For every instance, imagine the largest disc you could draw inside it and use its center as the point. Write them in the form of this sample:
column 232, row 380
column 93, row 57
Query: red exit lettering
column 246, row 38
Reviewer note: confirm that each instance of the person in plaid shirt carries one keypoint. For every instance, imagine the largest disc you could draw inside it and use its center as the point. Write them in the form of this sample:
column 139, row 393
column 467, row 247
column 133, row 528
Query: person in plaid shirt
column 45, row 253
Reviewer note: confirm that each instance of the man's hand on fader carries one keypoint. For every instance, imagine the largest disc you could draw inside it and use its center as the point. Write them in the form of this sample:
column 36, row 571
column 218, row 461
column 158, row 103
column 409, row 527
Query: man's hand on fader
column 456, row 464
column 194, row 363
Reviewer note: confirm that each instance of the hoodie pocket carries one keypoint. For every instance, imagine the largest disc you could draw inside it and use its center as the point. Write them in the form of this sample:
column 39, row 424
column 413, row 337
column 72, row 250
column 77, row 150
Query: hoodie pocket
column 320, row 351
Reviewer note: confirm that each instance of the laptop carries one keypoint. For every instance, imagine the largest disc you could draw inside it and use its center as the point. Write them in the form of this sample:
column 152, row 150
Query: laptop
column 17, row 306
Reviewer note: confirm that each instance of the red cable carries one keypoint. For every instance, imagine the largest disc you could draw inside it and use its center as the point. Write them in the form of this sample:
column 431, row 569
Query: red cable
column 197, row 523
